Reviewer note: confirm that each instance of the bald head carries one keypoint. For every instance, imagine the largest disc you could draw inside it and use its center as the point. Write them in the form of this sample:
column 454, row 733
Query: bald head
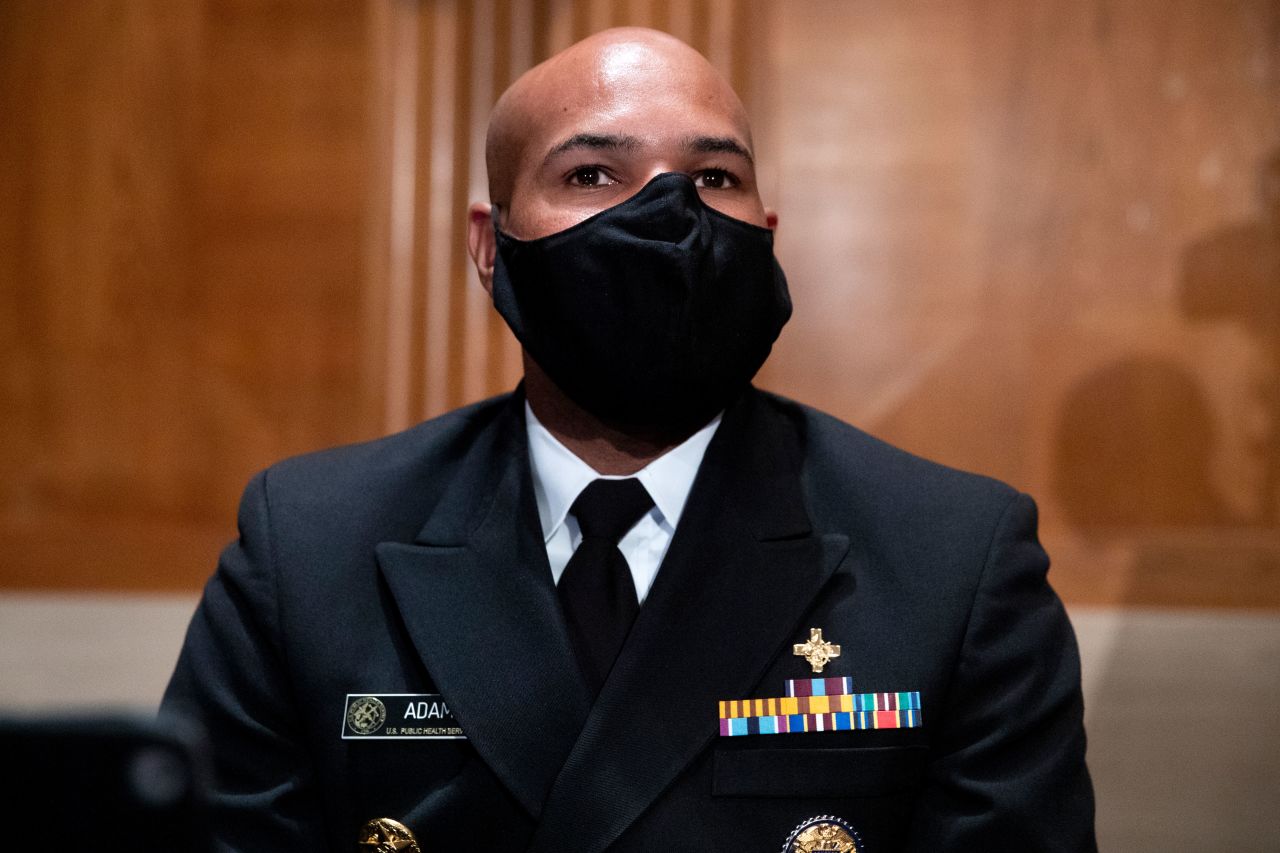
column 618, row 76
column 588, row 128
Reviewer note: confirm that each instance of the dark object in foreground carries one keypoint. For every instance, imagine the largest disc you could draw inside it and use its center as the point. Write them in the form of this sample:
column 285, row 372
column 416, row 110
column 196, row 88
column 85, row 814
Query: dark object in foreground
column 107, row 782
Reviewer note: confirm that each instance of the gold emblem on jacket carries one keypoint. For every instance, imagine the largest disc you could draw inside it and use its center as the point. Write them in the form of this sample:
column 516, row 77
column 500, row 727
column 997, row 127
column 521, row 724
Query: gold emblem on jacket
column 384, row 835
column 824, row 834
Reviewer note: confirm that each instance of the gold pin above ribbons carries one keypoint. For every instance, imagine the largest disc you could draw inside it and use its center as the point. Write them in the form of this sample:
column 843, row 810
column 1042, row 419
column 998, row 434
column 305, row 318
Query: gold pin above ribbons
column 384, row 835
column 817, row 651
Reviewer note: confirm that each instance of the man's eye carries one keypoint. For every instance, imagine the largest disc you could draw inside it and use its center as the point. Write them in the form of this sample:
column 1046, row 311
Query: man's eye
column 590, row 176
column 714, row 179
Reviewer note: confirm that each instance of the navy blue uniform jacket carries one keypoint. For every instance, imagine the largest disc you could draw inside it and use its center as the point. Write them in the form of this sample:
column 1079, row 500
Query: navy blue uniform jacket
column 415, row 564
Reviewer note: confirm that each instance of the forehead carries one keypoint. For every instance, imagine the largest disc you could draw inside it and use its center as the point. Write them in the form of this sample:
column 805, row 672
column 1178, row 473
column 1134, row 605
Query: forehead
column 630, row 89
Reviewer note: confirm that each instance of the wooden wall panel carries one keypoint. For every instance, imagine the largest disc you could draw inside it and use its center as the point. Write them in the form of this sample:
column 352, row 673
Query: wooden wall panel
column 181, row 267
column 1030, row 239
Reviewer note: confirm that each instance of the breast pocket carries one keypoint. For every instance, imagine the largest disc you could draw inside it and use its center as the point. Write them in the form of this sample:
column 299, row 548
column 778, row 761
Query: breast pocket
column 804, row 772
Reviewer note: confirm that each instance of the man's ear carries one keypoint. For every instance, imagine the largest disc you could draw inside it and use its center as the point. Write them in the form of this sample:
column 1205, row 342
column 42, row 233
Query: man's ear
column 481, row 243
column 771, row 219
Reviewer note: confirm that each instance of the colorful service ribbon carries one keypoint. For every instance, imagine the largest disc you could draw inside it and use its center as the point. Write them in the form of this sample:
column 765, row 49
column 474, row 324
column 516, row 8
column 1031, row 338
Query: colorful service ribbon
column 819, row 686
column 819, row 713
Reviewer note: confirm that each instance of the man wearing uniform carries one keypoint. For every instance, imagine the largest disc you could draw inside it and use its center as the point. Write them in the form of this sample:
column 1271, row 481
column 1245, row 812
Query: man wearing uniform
column 636, row 604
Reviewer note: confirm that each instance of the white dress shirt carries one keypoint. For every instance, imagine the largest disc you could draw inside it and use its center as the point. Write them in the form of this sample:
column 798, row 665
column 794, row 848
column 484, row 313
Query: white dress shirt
column 559, row 477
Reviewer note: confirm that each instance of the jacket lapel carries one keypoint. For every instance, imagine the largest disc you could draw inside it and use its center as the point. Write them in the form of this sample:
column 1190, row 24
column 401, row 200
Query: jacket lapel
column 742, row 570
column 476, row 595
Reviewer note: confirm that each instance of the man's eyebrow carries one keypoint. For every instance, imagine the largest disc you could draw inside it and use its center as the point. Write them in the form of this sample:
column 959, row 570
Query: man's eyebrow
column 718, row 145
column 597, row 141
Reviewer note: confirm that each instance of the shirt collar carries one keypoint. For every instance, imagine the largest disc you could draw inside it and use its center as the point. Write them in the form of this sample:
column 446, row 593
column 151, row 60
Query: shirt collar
column 559, row 476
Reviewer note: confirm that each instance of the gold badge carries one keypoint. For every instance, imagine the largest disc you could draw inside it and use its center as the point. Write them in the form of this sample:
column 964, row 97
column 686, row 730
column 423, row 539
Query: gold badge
column 366, row 715
column 823, row 834
column 384, row 835
column 818, row 652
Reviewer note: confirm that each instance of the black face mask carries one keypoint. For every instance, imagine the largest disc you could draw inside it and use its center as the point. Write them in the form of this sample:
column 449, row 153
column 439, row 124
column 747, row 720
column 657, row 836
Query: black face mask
column 653, row 314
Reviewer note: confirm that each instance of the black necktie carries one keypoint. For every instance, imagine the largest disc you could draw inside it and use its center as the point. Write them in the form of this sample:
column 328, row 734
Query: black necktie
column 596, row 589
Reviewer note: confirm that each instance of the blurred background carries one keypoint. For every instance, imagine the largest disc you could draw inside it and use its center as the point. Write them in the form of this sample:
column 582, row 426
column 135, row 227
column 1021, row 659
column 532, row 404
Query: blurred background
column 1038, row 239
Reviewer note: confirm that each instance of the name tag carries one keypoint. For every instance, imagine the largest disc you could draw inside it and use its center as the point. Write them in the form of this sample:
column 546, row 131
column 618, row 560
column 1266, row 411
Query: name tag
column 392, row 716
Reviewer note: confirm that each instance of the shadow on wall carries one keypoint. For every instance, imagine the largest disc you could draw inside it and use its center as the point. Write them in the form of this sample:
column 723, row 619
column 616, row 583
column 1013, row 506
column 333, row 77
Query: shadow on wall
column 1233, row 276
column 1134, row 449
column 1182, row 465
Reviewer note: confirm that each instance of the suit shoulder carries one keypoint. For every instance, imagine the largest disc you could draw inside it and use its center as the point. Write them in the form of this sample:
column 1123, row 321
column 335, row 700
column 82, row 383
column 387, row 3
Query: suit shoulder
column 841, row 459
column 419, row 453
column 920, row 525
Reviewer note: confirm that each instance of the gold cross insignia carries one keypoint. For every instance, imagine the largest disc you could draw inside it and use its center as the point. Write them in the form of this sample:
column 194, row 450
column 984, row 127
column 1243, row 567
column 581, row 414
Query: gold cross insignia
column 818, row 652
